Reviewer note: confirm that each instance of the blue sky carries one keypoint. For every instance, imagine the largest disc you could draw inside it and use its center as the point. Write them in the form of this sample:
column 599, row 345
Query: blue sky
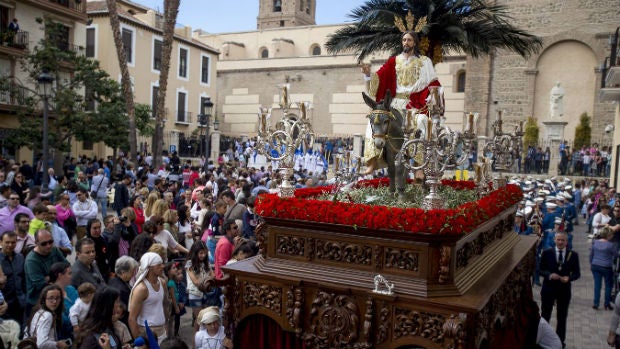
column 219, row 16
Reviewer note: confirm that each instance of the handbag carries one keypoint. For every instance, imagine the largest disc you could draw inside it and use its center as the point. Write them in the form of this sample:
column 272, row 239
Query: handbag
column 93, row 194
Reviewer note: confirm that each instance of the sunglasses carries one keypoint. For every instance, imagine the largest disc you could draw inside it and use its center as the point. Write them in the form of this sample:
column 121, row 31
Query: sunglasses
column 46, row 243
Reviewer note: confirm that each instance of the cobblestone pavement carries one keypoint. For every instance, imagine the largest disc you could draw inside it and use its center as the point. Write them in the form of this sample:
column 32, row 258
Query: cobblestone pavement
column 586, row 327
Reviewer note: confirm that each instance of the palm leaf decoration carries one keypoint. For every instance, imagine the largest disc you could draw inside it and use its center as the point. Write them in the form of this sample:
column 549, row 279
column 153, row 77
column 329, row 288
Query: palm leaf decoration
column 469, row 26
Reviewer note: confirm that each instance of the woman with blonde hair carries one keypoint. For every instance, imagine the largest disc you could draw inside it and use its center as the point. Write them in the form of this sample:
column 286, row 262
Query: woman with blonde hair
column 150, row 203
column 170, row 222
column 159, row 208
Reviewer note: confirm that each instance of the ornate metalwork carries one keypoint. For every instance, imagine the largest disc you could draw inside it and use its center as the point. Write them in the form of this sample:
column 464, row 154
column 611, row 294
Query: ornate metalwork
column 418, row 324
column 445, row 257
column 343, row 252
column 294, row 307
column 290, row 132
column 346, row 170
column 438, row 150
column 382, row 286
column 401, row 259
column 504, row 146
column 334, row 321
column 290, row 245
column 262, row 295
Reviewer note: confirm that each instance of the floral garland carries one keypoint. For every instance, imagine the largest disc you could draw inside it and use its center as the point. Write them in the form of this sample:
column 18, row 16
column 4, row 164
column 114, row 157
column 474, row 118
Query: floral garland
column 459, row 220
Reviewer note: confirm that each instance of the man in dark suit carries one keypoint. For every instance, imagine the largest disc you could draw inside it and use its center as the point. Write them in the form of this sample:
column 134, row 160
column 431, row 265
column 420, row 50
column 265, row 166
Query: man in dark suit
column 559, row 266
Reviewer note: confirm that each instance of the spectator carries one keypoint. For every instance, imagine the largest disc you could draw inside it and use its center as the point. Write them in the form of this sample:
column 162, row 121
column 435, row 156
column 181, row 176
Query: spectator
column 37, row 266
column 20, row 187
column 147, row 296
column 136, row 205
column 211, row 333
column 601, row 263
column 14, row 290
column 121, row 194
column 61, row 240
column 98, row 329
column 84, row 210
column 8, row 213
column 60, row 275
column 38, row 222
column 79, row 310
column 45, row 321
column 25, row 241
column 125, row 269
column 100, row 188
column 225, row 246
column 250, row 219
column 64, row 215
column 84, row 268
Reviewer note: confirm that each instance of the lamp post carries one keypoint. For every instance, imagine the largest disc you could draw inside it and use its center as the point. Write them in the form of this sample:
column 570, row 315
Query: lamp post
column 205, row 117
column 45, row 81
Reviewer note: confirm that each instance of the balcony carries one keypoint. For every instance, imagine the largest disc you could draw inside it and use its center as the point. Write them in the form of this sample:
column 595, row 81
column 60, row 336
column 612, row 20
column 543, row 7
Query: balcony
column 14, row 40
column 68, row 9
column 14, row 95
column 76, row 5
column 183, row 117
column 610, row 70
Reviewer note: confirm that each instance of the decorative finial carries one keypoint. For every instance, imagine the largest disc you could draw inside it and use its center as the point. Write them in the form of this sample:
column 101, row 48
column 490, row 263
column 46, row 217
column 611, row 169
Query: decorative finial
column 410, row 20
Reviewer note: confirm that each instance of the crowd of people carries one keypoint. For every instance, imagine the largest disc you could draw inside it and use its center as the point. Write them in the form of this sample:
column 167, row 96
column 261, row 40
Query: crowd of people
column 114, row 251
column 551, row 209
column 589, row 161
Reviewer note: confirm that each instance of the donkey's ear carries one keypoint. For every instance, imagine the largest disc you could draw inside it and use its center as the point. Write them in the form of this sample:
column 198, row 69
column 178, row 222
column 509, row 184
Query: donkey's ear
column 387, row 100
column 369, row 101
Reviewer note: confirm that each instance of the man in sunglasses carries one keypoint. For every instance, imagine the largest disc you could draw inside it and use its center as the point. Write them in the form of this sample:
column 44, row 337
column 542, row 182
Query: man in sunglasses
column 37, row 266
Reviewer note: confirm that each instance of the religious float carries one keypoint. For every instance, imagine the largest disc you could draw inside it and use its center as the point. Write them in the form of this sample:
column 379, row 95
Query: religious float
column 337, row 274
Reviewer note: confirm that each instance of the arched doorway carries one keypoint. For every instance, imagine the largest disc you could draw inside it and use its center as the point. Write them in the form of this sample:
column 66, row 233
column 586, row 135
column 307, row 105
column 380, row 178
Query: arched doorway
column 261, row 332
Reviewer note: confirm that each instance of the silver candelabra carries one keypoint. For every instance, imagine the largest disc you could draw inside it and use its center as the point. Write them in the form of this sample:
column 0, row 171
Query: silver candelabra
column 504, row 146
column 289, row 133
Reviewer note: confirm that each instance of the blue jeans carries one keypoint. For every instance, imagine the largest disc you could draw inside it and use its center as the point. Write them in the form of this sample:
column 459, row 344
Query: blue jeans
column 600, row 273
column 211, row 244
column 104, row 205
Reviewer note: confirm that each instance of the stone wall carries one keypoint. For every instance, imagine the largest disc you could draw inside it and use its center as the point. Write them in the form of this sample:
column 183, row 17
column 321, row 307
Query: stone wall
column 575, row 34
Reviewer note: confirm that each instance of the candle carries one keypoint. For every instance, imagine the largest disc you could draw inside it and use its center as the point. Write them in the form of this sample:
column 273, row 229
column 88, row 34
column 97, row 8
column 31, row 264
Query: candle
column 470, row 122
column 302, row 107
column 348, row 160
column 429, row 129
column 520, row 129
column 284, row 96
column 337, row 163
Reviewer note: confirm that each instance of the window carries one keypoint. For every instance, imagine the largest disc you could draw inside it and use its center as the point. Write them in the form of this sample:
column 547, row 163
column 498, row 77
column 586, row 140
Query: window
column 154, row 94
column 460, row 81
column 204, row 70
column 90, row 42
column 127, row 36
column 89, row 100
column 316, row 50
column 157, row 45
column 281, row 23
column 277, row 5
column 59, row 34
column 182, row 62
column 264, row 53
column 181, row 113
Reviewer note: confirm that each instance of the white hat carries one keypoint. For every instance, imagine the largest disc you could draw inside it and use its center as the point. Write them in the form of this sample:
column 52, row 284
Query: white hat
column 553, row 178
column 528, row 182
column 520, row 214
column 567, row 196
column 529, row 203
column 551, row 198
column 566, row 179
column 558, row 220
column 527, row 210
column 210, row 315
column 544, row 191
column 538, row 200
column 548, row 181
column 551, row 205
column 568, row 187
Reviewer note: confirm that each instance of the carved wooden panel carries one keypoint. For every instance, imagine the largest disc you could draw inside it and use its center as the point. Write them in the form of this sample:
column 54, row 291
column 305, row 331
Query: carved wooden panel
column 294, row 309
column 337, row 251
column 445, row 254
column 384, row 322
column 418, row 324
column 262, row 236
column 401, row 259
column 476, row 247
column 262, row 295
column 334, row 321
column 290, row 245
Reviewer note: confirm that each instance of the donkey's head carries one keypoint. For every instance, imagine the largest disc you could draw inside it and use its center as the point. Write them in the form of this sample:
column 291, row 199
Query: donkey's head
column 380, row 117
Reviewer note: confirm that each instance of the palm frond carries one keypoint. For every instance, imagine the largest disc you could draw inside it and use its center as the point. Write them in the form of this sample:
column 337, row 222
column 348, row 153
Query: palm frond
column 469, row 26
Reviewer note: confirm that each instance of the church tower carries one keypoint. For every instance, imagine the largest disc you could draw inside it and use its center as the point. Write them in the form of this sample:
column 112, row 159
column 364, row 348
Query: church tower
column 285, row 13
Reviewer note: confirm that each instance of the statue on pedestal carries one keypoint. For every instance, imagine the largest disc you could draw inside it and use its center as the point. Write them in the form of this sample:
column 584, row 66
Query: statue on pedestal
column 557, row 101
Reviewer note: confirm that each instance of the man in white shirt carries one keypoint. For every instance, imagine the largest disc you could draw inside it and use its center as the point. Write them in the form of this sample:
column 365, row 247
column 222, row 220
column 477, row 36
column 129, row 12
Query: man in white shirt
column 84, row 210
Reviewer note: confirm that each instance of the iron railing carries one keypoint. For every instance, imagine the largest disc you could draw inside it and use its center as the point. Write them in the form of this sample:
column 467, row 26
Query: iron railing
column 77, row 5
column 13, row 39
column 614, row 57
column 183, row 117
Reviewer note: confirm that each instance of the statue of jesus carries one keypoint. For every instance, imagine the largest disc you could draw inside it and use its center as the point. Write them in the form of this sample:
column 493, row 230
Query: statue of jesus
column 557, row 101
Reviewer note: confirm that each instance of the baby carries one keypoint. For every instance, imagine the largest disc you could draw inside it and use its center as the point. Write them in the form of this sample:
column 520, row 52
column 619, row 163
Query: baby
column 80, row 308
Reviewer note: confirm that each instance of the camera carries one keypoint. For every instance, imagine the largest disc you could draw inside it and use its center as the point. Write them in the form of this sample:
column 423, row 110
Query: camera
column 122, row 218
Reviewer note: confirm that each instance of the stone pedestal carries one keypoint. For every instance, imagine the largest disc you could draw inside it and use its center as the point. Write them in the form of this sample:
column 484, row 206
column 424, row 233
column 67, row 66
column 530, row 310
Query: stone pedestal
column 358, row 141
column 554, row 135
column 214, row 147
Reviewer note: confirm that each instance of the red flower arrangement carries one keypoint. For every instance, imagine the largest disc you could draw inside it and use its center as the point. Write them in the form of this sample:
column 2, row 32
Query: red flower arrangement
column 459, row 220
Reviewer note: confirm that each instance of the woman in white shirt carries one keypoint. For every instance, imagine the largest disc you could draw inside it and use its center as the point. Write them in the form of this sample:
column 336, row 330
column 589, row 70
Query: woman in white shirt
column 600, row 220
column 48, row 318
column 165, row 238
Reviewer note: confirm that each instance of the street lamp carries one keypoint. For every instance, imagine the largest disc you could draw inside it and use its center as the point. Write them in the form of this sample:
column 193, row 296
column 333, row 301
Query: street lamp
column 205, row 117
column 45, row 81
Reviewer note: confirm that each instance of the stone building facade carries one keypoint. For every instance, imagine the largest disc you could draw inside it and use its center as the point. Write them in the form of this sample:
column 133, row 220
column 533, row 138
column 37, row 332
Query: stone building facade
column 575, row 37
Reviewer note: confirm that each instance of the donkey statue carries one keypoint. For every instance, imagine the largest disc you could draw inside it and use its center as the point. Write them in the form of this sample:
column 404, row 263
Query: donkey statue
column 387, row 133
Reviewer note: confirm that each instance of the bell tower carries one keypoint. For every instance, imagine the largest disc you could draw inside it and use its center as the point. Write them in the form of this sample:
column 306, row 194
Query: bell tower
column 285, row 13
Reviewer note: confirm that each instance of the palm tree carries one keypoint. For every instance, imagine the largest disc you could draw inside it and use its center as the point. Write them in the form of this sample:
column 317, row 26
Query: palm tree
column 171, row 11
column 125, row 78
column 469, row 26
